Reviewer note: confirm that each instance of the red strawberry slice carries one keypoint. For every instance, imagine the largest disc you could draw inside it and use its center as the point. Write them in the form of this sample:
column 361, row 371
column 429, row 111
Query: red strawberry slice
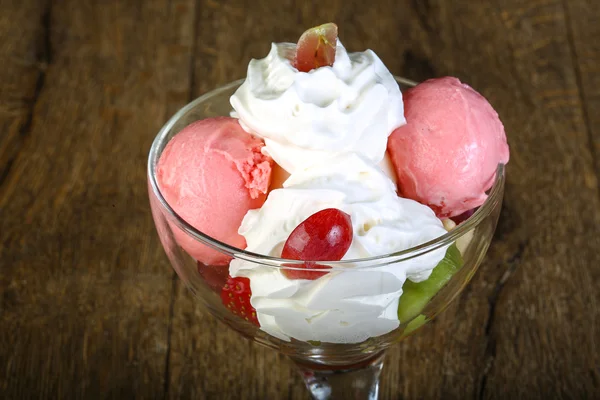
column 316, row 47
column 215, row 276
column 324, row 236
column 236, row 297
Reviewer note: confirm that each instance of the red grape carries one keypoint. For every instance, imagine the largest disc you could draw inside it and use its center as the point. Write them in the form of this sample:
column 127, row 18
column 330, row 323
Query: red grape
column 324, row 236
column 316, row 47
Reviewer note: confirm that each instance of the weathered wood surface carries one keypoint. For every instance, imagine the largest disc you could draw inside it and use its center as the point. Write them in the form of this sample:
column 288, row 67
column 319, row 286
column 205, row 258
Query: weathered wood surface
column 89, row 307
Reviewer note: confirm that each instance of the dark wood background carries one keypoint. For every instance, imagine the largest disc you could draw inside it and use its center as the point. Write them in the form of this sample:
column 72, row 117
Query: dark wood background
column 89, row 307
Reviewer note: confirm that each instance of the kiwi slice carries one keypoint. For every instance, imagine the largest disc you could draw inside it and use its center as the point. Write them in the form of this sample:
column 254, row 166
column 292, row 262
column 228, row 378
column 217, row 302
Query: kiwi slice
column 414, row 324
column 415, row 296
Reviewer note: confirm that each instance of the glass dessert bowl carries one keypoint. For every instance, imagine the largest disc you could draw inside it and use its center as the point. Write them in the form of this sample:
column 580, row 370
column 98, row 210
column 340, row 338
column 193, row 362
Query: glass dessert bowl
column 336, row 358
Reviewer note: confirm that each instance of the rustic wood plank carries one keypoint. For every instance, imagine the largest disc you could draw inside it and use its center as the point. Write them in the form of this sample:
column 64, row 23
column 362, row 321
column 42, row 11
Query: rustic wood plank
column 24, row 60
column 581, row 19
column 546, row 312
column 85, row 285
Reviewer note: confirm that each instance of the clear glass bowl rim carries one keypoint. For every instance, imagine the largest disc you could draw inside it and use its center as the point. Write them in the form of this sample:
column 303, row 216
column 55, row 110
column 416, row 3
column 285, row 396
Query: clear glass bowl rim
column 495, row 195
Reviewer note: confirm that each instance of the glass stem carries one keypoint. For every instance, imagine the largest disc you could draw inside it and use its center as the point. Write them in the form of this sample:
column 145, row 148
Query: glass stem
column 359, row 381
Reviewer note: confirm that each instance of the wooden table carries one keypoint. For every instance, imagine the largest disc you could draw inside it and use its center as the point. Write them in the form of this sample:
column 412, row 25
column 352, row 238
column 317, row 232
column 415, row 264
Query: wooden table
column 89, row 307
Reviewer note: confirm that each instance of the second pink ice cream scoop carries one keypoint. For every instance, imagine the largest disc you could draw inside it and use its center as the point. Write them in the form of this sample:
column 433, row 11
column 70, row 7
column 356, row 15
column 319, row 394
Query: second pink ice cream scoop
column 447, row 153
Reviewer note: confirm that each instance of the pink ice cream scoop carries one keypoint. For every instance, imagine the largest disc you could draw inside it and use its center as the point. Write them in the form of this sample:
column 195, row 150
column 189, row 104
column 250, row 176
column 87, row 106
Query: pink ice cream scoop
column 447, row 153
column 211, row 173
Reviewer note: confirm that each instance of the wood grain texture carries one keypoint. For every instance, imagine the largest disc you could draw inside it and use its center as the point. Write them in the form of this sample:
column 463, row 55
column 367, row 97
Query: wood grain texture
column 583, row 31
column 88, row 304
column 24, row 59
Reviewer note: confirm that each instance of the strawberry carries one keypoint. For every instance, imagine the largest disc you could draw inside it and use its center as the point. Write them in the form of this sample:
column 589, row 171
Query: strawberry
column 236, row 296
column 215, row 276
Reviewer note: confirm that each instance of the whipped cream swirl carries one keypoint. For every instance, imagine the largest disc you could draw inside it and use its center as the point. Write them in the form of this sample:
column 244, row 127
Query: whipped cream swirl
column 328, row 128
column 344, row 306
column 352, row 106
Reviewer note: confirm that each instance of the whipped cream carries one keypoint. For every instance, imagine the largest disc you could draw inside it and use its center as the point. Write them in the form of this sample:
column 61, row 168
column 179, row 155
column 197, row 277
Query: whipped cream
column 343, row 306
column 328, row 130
column 352, row 106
